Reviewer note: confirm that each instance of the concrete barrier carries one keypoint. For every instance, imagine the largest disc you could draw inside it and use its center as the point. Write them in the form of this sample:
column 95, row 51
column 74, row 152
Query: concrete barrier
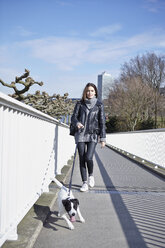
column 149, row 145
column 33, row 148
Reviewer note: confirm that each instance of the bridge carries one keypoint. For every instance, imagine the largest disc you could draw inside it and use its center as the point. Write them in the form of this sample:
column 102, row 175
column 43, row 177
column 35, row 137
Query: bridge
column 124, row 209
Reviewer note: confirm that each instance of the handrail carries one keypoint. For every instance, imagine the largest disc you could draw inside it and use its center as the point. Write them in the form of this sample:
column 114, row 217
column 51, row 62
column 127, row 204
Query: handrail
column 14, row 104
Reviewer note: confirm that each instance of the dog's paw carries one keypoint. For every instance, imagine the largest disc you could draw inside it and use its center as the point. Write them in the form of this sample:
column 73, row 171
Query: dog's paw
column 82, row 220
column 71, row 227
column 52, row 179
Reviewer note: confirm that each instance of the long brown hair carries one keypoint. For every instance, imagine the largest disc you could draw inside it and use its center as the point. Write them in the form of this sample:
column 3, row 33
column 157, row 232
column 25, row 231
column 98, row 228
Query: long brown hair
column 86, row 88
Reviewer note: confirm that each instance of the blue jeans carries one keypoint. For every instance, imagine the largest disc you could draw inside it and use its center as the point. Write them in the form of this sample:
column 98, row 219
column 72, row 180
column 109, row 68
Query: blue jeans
column 86, row 151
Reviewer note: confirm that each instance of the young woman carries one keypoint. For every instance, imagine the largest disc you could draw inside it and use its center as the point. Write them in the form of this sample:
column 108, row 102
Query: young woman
column 89, row 119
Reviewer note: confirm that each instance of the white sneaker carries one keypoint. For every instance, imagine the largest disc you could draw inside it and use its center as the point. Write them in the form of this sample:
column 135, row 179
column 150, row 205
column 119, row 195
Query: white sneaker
column 91, row 181
column 84, row 187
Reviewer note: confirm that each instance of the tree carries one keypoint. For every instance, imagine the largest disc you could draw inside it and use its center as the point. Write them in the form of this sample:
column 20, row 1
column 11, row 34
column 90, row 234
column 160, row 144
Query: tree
column 56, row 106
column 18, row 81
column 150, row 68
column 132, row 101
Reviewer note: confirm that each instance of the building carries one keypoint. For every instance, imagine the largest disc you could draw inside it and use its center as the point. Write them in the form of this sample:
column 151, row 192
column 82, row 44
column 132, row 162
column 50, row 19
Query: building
column 104, row 83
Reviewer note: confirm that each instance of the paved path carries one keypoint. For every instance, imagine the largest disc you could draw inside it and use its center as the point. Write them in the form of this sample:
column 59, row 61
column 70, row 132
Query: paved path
column 126, row 208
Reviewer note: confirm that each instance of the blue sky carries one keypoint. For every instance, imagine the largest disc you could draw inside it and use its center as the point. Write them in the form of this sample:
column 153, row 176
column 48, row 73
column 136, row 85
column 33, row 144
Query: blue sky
column 67, row 43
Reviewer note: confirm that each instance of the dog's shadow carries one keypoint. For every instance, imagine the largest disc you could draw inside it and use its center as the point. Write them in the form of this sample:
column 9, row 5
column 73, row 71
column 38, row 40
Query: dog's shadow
column 51, row 219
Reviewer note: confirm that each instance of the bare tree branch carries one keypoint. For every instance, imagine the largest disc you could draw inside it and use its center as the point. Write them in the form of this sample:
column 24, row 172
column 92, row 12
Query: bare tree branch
column 55, row 105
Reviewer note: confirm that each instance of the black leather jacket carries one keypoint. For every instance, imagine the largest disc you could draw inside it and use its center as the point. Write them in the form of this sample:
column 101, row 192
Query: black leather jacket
column 95, row 121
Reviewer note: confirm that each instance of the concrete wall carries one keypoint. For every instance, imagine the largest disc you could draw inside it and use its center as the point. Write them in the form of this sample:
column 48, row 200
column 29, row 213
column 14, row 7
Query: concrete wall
column 148, row 145
column 33, row 148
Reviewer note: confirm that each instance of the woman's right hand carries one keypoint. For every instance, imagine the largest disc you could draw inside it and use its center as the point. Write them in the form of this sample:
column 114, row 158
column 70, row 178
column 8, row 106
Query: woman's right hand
column 79, row 125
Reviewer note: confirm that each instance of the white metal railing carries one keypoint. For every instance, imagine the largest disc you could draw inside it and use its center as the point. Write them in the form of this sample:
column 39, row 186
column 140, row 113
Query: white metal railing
column 33, row 148
column 148, row 145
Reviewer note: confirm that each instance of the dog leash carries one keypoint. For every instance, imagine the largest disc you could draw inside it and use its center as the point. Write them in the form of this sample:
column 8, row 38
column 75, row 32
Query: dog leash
column 70, row 183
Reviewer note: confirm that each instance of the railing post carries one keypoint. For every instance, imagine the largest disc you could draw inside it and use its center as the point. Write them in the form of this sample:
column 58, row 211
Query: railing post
column 13, row 234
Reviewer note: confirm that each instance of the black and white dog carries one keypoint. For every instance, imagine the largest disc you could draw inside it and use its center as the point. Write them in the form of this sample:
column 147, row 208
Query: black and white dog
column 67, row 204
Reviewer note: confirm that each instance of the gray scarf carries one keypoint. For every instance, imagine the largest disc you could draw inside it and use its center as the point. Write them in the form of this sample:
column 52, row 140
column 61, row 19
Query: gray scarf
column 90, row 103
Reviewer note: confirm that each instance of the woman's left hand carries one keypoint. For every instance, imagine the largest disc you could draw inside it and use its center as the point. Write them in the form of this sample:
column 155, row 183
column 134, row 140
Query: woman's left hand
column 102, row 144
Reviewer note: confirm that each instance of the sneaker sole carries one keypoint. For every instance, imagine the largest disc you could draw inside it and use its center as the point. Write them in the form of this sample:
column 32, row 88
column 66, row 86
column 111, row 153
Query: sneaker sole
column 83, row 191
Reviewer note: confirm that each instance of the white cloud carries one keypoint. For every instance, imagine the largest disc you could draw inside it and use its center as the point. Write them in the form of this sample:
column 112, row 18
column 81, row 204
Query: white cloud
column 21, row 31
column 69, row 53
column 64, row 52
column 162, row 43
column 8, row 73
column 3, row 54
column 106, row 30
column 154, row 5
column 74, row 83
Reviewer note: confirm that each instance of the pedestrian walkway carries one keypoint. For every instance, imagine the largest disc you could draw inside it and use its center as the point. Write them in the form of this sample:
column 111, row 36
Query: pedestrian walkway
column 124, row 209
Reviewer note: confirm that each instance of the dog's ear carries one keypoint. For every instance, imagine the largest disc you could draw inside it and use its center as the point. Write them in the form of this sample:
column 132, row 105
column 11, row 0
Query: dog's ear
column 67, row 204
column 64, row 202
column 75, row 201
